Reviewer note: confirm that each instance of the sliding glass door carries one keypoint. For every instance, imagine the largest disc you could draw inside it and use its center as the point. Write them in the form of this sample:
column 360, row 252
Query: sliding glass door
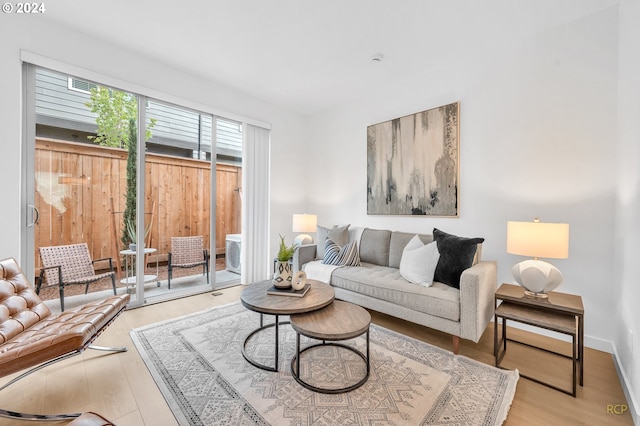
column 178, row 197
column 158, row 204
column 83, row 134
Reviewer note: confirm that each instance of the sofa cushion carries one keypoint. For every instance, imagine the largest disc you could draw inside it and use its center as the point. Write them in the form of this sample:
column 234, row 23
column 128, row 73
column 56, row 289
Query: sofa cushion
column 385, row 283
column 419, row 261
column 336, row 255
column 339, row 234
column 398, row 241
column 374, row 246
column 456, row 255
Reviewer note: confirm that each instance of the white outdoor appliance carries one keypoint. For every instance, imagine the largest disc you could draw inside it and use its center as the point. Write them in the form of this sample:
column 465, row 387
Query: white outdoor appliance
column 232, row 252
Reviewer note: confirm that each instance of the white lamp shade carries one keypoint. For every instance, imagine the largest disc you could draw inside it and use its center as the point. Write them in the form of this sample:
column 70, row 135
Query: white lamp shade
column 537, row 239
column 305, row 223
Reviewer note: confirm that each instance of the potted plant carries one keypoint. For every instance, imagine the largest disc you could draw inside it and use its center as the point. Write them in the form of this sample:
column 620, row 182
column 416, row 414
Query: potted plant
column 132, row 234
column 283, row 274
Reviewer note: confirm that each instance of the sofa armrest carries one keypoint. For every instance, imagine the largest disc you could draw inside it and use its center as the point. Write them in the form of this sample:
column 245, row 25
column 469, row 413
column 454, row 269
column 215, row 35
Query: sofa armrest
column 303, row 254
column 477, row 291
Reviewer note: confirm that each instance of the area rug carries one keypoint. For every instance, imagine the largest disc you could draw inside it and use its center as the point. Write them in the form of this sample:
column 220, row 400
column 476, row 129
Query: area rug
column 198, row 365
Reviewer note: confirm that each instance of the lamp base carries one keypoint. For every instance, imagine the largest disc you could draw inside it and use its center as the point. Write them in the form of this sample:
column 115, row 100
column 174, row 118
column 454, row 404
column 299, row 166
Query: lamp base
column 536, row 295
column 302, row 239
column 537, row 277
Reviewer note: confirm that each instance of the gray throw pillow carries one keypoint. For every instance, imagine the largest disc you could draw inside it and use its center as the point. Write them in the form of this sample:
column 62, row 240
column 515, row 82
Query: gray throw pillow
column 339, row 234
column 456, row 255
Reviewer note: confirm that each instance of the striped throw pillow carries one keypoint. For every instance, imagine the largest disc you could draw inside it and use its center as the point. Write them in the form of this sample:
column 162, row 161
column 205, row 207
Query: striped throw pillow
column 345, row 256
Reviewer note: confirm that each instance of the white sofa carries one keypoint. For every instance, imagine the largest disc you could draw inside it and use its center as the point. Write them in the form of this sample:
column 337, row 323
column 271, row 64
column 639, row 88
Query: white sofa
column 378, row 285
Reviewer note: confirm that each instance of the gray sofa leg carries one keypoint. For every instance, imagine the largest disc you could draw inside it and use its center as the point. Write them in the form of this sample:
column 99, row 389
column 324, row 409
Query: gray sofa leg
column 456, row 344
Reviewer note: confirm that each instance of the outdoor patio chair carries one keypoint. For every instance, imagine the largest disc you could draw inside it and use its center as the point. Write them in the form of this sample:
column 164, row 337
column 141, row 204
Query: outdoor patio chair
column 187, row 252
column 69, row 265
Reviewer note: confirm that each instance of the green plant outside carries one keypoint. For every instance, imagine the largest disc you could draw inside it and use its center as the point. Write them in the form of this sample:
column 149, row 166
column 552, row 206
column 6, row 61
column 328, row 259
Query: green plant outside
column 116, row 110
column 117, row 115
column 130, row 228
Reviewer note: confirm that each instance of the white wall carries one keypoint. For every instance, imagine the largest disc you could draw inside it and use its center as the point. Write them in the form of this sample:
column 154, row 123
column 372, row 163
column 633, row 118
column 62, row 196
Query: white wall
column 537, row 139
column 627, row 235
column 34, row 34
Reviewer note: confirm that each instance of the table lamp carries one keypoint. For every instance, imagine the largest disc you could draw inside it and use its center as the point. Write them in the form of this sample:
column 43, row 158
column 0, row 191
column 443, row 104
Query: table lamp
column 304, row 223
column 537, row 239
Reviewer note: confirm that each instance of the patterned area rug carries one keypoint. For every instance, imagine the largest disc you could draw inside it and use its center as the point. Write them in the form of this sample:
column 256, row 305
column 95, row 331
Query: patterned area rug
column 198, row 365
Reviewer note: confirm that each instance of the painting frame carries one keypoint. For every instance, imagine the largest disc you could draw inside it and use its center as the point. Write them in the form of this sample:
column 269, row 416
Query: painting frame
column 413, row 164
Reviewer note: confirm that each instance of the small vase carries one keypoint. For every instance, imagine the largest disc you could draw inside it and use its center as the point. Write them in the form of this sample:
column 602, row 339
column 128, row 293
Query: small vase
column 132, row 247
column 282, row 277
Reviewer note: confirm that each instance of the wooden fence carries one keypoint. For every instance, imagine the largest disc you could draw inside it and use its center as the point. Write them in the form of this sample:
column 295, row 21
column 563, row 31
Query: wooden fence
column 76, row 183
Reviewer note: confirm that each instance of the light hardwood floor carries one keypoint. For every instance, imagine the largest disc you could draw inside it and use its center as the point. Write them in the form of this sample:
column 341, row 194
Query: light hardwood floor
column 119, row 386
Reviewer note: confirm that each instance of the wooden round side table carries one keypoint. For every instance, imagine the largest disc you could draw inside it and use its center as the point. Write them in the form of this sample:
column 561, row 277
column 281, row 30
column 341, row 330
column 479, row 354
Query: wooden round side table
column 255, row 298
column 338, row 321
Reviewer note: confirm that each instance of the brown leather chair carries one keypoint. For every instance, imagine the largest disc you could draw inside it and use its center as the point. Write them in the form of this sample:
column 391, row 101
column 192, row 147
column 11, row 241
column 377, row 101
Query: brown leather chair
column 31, row 337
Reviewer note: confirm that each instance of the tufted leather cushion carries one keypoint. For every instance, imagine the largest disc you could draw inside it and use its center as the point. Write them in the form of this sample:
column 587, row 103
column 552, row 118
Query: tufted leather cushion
column 29, row 333
column 20, row 306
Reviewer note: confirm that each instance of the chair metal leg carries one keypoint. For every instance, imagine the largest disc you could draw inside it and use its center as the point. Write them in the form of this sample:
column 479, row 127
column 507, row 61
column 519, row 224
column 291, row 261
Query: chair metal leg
column 169, row 271
column 113, row 283
column 39, row 285
column 61, row 297
column 107, row 349
column 48, row 417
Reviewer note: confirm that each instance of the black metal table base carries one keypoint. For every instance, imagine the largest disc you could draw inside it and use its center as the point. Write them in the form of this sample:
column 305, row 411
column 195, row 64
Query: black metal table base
column 295, row 366
column 275, row 324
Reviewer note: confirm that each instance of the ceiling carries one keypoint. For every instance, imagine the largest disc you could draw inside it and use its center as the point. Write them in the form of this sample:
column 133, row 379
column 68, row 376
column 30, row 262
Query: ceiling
column 313, row 55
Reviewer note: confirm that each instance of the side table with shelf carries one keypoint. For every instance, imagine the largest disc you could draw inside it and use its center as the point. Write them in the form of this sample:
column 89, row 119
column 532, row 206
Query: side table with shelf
column 130, row 277
column 560, row 312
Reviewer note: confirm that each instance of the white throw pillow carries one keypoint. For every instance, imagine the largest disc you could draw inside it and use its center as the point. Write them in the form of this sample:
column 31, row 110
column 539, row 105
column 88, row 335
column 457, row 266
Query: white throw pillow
column 419, row 261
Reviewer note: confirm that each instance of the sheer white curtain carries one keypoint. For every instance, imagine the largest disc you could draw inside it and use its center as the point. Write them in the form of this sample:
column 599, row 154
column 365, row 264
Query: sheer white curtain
column 255, row 265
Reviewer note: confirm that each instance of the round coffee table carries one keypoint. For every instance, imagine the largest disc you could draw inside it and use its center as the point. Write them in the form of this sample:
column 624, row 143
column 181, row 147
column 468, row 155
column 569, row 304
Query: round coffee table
column 255, row 298
column 338, row 321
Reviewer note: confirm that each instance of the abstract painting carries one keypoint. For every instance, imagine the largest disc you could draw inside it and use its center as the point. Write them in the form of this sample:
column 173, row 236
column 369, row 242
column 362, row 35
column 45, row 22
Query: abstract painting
column 413, row 164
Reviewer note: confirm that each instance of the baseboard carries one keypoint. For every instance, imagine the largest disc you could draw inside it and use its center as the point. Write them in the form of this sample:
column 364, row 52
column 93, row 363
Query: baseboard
column 634, row 407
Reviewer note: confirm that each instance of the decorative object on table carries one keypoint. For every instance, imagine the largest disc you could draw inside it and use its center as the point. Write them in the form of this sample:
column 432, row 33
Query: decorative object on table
column 446, row 386
column 299, row 280
column 537, row 239
column 289, row 291
column 304, row 223
column 413, row 164
column 283, row 274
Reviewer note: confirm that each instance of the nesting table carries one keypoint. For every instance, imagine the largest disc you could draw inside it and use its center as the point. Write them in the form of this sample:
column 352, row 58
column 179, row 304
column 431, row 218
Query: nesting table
column 560, row 312
column 255, row 298
column 338, row 321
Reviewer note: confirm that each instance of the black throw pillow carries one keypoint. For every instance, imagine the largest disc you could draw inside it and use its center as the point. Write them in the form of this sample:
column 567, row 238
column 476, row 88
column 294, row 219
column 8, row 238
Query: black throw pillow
column 456, row 255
